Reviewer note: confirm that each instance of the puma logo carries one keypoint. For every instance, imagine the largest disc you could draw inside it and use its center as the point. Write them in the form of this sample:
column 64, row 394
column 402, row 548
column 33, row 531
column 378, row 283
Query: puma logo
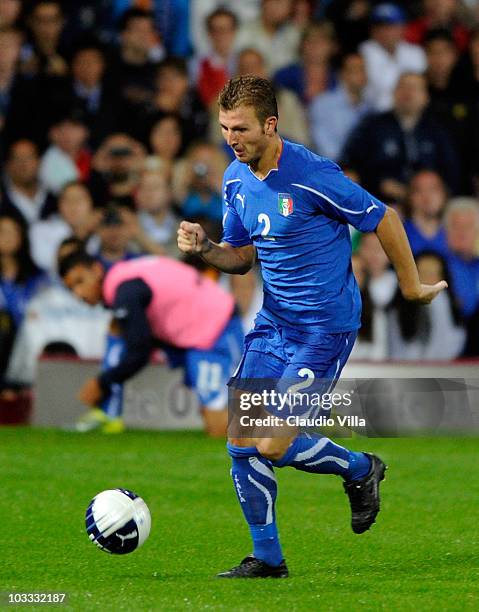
column 241, row 198
column 128, row 536
column 372, row 207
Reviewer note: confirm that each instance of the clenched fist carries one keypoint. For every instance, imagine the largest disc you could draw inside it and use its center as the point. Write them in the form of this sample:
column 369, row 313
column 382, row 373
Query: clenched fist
column 192, row 238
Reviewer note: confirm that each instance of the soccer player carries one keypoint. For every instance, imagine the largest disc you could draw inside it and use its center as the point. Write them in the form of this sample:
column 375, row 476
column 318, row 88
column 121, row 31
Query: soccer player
column 291, row 209
column 157, row 299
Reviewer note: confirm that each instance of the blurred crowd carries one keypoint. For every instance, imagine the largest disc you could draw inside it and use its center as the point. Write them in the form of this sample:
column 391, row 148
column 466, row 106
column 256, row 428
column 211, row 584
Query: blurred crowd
column 109, row 137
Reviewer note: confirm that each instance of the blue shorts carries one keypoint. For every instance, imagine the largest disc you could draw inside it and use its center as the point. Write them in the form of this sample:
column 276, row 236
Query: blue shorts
column 278, row 356
column 207, row 371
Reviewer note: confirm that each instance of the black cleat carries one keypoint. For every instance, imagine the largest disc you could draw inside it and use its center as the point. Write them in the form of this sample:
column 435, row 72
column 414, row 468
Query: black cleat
column 251, row 567
column 364, row 496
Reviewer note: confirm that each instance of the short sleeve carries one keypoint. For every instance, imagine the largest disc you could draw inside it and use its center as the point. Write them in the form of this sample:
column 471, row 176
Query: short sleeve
column 234, row 232
column 340, row 198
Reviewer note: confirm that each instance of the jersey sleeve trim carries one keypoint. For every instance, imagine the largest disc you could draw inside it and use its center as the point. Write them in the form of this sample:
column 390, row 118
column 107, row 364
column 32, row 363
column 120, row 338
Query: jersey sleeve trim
column 322, row 195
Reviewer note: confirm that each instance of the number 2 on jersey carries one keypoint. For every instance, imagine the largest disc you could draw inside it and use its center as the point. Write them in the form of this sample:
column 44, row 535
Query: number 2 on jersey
column 263, row 218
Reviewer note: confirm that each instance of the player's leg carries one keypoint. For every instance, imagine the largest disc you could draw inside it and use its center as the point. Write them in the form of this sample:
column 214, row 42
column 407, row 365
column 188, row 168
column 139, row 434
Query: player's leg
column 253, row 475
column 108, row 415
column 208, row 372
column 314, row 453
column 112, row 405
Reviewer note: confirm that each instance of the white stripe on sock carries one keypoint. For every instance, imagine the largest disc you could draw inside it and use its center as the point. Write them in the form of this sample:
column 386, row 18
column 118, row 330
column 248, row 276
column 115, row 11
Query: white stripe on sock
column 341, row 462
column 307, row 454
column 261, row 468
column 269, row 499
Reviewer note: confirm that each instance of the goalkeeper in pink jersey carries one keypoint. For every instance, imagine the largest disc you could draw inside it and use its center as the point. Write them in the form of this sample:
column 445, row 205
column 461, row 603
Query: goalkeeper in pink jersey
column 157, row 301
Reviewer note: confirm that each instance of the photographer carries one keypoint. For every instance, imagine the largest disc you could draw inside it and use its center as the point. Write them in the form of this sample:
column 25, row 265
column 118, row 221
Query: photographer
column 197, row 182
column 116, row 169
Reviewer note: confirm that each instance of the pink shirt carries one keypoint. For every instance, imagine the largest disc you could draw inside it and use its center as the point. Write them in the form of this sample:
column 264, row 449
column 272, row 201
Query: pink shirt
column 187, row 309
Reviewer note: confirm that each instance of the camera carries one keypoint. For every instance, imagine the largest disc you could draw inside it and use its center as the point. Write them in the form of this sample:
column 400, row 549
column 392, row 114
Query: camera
column 120, row 151
column 200, row 169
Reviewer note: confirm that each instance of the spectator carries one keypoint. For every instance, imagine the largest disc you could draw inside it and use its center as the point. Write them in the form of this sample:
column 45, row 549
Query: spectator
column 467, row 74
column 13, row 88
column 351, row 21
column 388, row 55
column 250, row 61
column 76, row 219
column 23, row 195
column 166, row 143
column 363, row 346
column 92, row 93
column 462, row 228
column 20, row 279
column 247, row 290
column 44, row 54
column 112, row 240
column 246, row 11
column 197, row 185
column 272, row 34
column 10, row 11
column 438, row 14
column 154, row 226
column 433, row 332
column 302, row 13
column 442, row 57
column 140, row 51
column 312, row 73
column 401, row 142
column 85, row 92
column 447, row 103
column 466, row 83
column 335, row 113
column 116, row 168
column 427, row 198
column 216, row 67
column 67, row 158
column 56, row 316
column 171, row 20
column 377, row 283
column 174, row 94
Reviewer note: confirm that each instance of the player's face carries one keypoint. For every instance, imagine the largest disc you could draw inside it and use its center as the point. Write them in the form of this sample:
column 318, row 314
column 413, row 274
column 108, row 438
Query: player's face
column 244, row 133
column 85, row 282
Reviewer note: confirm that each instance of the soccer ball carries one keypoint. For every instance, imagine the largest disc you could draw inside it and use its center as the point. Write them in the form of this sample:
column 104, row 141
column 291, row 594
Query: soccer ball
column 118, row 521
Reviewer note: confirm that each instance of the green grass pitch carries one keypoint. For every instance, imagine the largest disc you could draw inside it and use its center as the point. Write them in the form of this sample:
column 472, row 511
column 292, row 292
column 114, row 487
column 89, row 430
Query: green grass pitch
column 423, row 553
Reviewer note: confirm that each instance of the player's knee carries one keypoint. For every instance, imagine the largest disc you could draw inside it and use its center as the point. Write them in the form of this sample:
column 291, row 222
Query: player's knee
column 271, row 449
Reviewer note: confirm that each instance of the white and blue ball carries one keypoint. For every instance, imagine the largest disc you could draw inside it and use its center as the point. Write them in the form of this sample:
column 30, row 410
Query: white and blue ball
column 118, row 521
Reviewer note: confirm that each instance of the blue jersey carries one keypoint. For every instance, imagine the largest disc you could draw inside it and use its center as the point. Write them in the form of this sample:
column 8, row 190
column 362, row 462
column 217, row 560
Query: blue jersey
column 297, row 218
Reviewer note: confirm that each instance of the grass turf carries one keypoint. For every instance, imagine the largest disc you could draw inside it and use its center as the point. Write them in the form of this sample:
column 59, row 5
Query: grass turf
column 422, row 554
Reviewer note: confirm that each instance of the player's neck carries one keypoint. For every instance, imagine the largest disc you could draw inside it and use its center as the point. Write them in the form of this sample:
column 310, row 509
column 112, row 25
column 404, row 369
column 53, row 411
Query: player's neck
column 269, row 159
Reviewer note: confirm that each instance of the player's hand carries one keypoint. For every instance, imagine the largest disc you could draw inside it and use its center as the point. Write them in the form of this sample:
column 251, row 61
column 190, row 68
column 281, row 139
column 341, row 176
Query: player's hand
column 192, row 238
column 90, row 394
column 427, row 293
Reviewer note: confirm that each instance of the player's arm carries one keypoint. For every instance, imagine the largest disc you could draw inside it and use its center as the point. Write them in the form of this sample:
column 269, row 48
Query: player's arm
column 394, row 241
column 192, row 239
column 129, row 311
column 350, row 203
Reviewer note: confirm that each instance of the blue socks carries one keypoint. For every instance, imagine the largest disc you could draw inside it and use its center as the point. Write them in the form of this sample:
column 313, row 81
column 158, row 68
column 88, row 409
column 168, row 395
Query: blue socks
column 256, row 488
column 319, row 455
column 113, row 404
column 255, row 483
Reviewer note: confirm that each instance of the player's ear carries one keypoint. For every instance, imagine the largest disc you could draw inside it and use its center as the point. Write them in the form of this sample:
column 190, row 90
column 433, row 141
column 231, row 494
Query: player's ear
column 270, row 126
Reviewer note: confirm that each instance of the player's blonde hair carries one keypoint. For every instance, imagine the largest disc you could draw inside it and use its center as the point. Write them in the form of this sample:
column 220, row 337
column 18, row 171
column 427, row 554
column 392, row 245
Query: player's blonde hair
column 250, row 90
